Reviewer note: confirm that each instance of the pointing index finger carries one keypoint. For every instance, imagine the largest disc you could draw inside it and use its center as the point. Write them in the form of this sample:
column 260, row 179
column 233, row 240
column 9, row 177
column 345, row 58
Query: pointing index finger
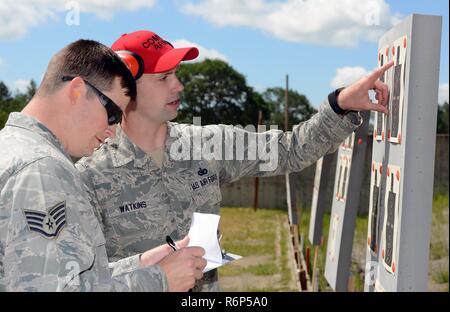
column 379, row 72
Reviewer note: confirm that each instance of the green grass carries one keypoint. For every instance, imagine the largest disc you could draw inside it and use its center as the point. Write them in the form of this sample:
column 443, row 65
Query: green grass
column 285, row 258
column 263, row 269
column 246, row 232
column 253, row 233
column 440, row 209
column 438, row 249
column 439, row 243
column 441, row 276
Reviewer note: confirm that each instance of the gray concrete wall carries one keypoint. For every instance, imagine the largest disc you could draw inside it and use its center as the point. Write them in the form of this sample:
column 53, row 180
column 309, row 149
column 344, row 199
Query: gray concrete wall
column 272, row 191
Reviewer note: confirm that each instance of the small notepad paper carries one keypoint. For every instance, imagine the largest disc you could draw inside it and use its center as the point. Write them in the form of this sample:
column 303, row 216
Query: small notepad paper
column 203, row 233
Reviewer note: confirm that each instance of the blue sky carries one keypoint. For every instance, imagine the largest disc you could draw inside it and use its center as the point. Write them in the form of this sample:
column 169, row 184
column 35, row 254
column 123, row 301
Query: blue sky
column 319, row 43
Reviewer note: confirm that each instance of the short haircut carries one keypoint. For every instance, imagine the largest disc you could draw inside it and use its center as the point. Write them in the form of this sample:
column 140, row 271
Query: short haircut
column 91, row 61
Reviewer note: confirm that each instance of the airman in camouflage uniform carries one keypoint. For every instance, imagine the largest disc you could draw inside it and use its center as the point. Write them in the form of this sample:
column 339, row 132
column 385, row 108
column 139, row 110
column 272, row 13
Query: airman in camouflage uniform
column 61, row 251
column 139, row 200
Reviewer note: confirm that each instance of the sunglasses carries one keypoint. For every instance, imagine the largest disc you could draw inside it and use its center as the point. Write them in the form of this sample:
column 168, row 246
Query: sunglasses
column 112, row 109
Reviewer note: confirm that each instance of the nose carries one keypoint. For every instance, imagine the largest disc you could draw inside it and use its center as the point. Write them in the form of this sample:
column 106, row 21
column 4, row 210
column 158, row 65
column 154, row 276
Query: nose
column 178, row 85
column 111, row 131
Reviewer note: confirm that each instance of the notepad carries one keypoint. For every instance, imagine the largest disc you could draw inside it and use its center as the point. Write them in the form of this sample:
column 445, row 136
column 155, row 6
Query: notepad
column 203, row 233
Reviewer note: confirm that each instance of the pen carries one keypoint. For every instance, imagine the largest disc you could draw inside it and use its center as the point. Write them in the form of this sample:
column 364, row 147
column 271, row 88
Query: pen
column 171, row 243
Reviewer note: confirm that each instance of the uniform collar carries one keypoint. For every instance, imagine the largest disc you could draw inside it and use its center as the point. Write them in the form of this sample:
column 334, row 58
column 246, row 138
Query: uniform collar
column 124, row 151
column 27, row 122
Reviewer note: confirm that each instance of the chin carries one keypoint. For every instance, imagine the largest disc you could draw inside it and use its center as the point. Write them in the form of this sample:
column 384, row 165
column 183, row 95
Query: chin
column 173, row 115
column 89, row 151
column 169, row 116
column 87, row 154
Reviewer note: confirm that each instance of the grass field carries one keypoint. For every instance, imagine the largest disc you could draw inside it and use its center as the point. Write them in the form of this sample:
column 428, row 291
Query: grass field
column 262, row 238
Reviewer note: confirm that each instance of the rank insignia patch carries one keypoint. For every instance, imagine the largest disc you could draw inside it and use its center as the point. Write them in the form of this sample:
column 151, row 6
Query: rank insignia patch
column 47, row 224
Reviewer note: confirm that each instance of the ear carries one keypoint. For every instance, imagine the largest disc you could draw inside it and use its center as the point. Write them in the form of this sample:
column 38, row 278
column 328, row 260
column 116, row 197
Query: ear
column 76, row 89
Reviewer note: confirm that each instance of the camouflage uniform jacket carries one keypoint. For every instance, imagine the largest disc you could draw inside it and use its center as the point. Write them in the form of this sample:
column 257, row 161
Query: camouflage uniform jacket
column 50, row 238
column 139, row 204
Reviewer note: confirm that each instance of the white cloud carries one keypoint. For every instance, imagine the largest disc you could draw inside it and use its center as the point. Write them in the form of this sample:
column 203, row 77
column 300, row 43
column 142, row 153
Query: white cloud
column 1, row 62
column 18, row 16
column 325, row 22
column 443, row 93
column 204, row 52
column 347, row 75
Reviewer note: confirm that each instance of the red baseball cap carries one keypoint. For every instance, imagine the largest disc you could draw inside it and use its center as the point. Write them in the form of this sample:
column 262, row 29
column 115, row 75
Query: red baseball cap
column 158, row 55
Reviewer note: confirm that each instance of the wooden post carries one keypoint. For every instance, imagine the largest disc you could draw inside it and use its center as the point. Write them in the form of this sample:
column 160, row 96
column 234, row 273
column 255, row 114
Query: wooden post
column 351, row 283
column 302, row 264
column 314, row 272
column 286, row 105
column 315, row 287
column 308, row 262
